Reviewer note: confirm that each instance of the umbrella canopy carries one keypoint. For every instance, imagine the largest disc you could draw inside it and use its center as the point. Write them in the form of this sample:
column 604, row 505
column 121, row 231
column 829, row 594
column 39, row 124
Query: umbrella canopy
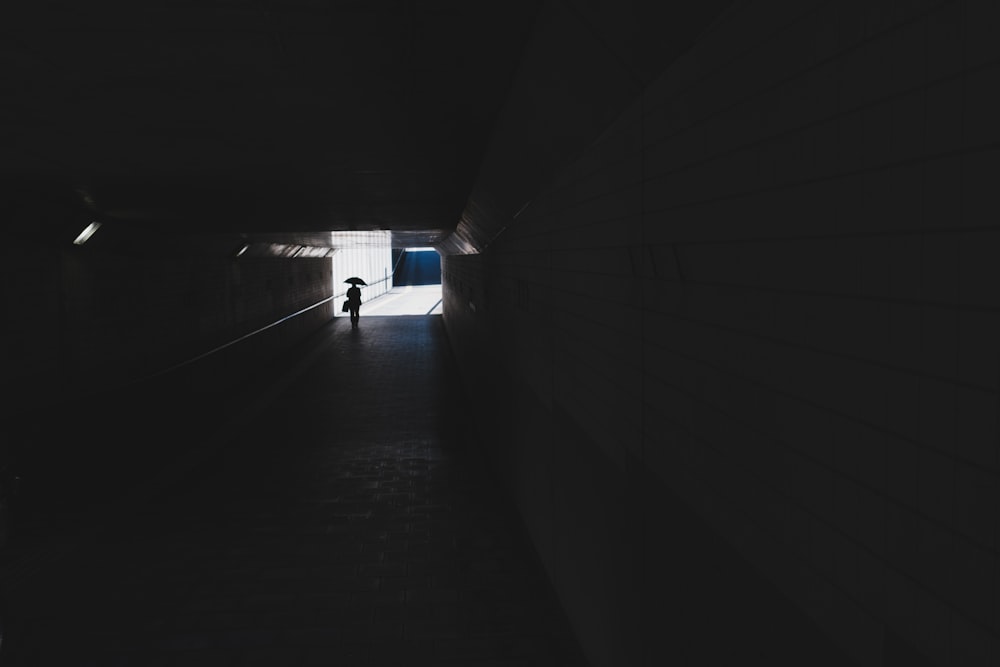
column 355, row 281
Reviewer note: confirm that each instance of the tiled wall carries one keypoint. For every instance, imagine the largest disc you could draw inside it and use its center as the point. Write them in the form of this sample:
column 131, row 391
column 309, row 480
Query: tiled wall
column 78, row 321
column 371, row 261
column 773, row 285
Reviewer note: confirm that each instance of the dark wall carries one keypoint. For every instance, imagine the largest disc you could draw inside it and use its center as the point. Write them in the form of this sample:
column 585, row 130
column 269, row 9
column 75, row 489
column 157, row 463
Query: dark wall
column 95, row 346
column 417, row 268
column 82, row 319
column 753, row 329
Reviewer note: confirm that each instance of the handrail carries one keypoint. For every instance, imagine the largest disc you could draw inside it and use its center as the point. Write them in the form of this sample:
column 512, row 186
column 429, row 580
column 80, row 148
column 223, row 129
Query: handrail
column 232, row 342
column 399, row 259
column 392, row 275
column 389, row 277
column 262, row 329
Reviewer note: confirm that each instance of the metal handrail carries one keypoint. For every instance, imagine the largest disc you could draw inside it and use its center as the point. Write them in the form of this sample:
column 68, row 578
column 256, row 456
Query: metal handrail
column 232, row 342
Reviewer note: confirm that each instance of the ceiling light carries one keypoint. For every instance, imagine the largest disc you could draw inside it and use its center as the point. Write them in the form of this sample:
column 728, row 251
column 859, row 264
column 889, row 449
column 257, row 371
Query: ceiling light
column 87, row 232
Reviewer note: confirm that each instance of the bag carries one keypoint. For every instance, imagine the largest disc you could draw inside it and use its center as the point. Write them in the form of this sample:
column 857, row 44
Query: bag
column 345, row 307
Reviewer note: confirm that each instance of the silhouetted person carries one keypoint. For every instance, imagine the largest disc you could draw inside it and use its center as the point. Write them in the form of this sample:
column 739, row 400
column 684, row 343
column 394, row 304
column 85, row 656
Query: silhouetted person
column 354, row 304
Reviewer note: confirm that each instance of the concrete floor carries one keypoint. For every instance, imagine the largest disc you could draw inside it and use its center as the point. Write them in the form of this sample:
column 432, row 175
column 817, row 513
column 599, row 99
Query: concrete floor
column 408, row 300
column 347, row 520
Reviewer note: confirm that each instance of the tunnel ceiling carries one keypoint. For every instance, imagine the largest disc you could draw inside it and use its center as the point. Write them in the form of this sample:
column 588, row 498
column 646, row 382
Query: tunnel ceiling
column 284, row 117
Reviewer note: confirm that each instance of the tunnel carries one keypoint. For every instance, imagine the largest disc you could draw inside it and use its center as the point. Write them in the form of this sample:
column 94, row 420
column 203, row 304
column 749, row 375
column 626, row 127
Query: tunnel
column 713, row 379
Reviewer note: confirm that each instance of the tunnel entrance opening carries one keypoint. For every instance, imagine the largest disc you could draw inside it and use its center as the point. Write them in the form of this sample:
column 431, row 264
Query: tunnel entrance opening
column 416, row 285
column 399, row 281
column 363, row 254
column 416, row 266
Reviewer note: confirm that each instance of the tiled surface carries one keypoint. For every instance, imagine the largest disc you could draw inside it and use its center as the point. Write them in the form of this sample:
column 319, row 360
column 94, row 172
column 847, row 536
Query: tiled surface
column 792, row 223
column 349, row 523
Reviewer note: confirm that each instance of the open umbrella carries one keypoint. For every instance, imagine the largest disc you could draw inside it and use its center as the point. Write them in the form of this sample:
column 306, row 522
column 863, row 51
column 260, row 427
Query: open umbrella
column 355, row 281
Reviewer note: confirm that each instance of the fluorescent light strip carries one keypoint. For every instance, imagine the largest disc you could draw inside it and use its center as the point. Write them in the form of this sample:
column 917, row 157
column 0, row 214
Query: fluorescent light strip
column 86, row 233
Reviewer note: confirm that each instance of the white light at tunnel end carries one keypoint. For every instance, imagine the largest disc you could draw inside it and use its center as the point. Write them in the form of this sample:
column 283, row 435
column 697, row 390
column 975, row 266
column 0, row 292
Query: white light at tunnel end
column 87, row 232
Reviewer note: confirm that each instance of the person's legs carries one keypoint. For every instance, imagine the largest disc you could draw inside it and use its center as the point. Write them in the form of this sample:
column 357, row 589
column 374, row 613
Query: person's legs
column 355, row 314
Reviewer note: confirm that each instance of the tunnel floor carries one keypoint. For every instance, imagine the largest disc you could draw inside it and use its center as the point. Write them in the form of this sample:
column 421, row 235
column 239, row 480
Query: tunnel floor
column 349, row 521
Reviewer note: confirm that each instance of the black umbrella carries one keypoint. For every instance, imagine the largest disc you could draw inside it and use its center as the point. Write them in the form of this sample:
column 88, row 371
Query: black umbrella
column 355, row 281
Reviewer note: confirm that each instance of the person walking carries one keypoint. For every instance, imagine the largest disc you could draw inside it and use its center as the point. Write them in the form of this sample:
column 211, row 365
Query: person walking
column 354, row 303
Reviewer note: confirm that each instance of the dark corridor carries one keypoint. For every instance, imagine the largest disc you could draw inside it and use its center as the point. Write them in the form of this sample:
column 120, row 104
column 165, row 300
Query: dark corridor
column 341, row 520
